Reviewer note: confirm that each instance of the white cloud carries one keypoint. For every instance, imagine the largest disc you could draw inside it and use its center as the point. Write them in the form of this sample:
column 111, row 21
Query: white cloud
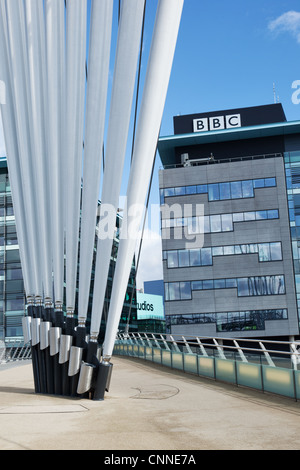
column 150, row 264
column 288, row 22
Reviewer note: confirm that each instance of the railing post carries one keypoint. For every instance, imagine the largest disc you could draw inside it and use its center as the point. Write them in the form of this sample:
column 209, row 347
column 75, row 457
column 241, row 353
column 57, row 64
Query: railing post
column 267, row 355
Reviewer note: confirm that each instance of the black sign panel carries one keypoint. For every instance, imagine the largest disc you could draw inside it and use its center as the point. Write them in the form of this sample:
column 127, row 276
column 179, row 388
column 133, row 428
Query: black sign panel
column 231, row 118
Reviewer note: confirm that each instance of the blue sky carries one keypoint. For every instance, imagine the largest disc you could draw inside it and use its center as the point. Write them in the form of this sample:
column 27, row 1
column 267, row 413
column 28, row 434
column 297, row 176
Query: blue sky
column 229, row 54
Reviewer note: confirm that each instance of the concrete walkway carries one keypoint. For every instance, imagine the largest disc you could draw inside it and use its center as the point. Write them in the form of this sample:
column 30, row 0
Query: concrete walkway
column 148, row 407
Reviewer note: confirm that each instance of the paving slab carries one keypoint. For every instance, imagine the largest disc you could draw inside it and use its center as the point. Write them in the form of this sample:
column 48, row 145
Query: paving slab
column 148, row 407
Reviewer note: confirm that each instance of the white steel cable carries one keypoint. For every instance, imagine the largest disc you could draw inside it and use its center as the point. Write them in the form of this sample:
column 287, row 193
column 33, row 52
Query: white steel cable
column 155, row 89
column 19, row 75
column 36, row 49
column 10, row 136
column 99, row 55
column 129, row 34
column 75, row 91
column 55, row 43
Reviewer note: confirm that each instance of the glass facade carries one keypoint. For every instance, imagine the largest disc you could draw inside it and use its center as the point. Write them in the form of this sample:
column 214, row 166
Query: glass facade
column 12, row 295
column 230, row 321
column 218, row 222
column 246, row 286
column 12, row 300
column 292, row 172
column 270, row 251
column 220, row 191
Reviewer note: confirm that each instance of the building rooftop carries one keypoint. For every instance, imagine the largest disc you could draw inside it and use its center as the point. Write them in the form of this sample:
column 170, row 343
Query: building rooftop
column 260, row 122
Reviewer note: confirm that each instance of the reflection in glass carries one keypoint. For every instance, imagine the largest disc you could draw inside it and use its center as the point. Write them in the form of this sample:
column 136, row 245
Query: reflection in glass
column 261, row 215
column 169, row 192
column 238, row 217
column 236, row 189
column 196, row 285
column 180, row 191
column 206, row 258
column 191, row 190
column 249, row 216
column 219, row 284
column 247, row 188
column 172, row 259
column 242, row 285
column 273, row 214
column 213, row 192
column 202, row 188
column 185, row 291
column 183, row 258
column 264, row 252
column 217, row 251
column 276, row 253
column 227, row 224
column 195, row 257
column 174, row 292
column 225, row 191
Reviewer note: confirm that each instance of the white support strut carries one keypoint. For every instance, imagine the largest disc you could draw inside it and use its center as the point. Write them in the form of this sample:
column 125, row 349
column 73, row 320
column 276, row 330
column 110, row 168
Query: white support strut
column 152, row 105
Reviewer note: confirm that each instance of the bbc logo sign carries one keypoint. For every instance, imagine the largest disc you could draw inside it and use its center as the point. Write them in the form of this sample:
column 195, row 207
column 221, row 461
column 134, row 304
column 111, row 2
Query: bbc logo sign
column 217, row 123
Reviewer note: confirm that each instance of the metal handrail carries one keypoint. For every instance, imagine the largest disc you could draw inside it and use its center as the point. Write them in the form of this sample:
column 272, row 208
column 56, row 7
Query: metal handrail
column 14, row 350
column 192, row 341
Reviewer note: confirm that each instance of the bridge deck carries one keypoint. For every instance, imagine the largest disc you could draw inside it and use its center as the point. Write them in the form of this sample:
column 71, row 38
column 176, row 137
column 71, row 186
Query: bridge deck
column 148, row 407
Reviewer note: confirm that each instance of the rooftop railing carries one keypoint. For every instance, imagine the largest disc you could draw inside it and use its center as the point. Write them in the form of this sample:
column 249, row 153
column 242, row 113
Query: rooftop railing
column 212, row 161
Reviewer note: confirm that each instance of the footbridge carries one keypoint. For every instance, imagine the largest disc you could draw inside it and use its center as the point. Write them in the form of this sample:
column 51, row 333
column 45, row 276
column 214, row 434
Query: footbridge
column 172, row 394
column 265, row 365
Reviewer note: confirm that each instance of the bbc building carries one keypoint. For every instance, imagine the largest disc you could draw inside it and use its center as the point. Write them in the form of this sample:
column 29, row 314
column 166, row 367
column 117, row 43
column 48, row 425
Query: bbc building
column 230, row 224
